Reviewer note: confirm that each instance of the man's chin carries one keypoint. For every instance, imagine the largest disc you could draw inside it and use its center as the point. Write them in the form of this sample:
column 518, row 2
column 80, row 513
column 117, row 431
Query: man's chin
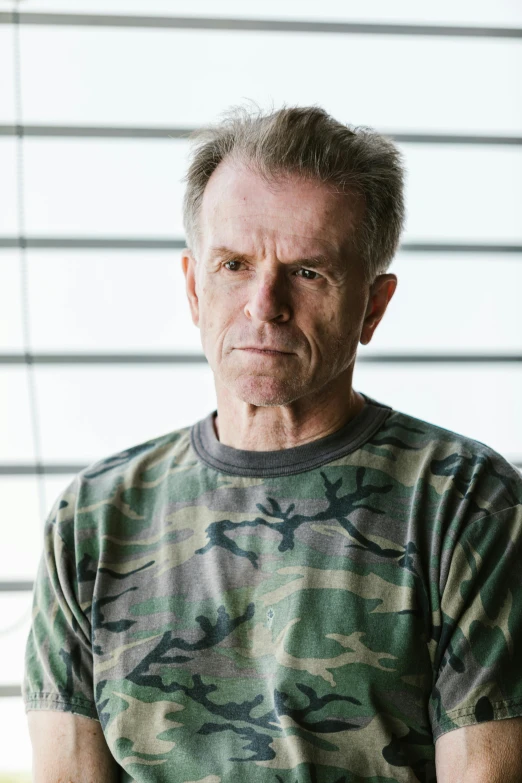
column 262, row 391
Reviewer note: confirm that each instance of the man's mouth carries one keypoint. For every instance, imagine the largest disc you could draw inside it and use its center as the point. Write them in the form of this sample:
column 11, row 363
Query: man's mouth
column 269, row 351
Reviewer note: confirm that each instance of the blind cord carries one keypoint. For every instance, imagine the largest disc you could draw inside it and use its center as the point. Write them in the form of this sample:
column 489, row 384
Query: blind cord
column 24, row 290
column 24, row 275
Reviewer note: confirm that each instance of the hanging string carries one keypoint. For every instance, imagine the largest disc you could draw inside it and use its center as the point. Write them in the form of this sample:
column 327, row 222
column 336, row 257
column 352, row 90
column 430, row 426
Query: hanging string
column 23, row 265
column 25, row 315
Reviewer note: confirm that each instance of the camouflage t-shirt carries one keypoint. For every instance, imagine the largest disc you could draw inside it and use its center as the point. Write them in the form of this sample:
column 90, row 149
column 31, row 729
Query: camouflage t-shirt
column 318, row 614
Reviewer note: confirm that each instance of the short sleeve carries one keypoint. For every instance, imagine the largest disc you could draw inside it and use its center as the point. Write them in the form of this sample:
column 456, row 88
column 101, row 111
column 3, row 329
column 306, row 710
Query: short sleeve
column 479, row 677
column 58, row 673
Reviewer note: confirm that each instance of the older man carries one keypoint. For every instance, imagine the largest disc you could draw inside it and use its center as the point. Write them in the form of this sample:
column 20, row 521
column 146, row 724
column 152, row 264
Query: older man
column 306, row 585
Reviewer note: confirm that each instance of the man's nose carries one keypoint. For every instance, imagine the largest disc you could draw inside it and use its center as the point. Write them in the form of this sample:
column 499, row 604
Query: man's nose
column 268, row 298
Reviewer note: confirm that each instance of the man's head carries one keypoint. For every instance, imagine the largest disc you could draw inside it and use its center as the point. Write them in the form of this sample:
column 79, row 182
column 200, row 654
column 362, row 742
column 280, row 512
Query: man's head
column 291, row 220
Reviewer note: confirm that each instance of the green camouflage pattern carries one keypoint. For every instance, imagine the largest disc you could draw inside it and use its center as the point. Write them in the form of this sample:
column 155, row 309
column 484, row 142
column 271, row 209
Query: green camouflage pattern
column 324, row 626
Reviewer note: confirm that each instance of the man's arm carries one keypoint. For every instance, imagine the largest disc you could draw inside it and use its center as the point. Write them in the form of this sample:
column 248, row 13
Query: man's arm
column 69, row 747
column 488, row 752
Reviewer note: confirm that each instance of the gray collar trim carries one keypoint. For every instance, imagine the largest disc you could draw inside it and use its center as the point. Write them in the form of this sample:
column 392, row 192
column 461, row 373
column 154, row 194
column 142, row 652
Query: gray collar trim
column 287, row 461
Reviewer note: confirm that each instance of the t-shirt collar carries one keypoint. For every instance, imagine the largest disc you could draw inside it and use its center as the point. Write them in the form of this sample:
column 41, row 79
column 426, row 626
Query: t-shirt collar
column 297, row 459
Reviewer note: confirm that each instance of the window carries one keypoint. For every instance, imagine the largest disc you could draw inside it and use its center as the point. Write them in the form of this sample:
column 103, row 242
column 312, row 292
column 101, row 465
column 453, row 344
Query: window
column 93, row 312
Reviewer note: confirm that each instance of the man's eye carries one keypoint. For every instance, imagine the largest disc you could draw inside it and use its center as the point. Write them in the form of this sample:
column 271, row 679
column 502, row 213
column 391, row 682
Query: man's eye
column 231, row 262
column 309, row 272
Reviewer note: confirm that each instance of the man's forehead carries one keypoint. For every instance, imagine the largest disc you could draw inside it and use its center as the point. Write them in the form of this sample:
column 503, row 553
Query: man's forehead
column 224, row 240
column 235, row 185
column 269, row 232
column 240, row 206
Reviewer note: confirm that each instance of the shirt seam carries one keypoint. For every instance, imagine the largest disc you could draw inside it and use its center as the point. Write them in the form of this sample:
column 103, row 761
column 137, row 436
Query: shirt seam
column 57, row 697
column 462, row 712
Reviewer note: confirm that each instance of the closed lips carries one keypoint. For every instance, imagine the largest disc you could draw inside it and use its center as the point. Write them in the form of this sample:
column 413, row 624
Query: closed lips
column 254, row 348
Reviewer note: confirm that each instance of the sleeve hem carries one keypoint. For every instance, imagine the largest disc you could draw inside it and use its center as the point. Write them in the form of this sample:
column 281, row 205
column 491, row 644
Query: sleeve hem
column 465, row 716
column 42, row 700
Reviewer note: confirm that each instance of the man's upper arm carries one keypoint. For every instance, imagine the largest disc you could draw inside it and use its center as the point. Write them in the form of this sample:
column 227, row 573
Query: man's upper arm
column 58, row 653
column 58, row 689
column 478, row 678
column 69, row 747
column 488, row 752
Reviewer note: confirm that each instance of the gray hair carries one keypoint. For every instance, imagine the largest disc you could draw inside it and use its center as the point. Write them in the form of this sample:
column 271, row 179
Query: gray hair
column 308, row 142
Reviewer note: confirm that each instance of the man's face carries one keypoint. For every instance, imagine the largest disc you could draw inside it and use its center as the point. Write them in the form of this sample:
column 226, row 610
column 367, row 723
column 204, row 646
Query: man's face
column 274, row 270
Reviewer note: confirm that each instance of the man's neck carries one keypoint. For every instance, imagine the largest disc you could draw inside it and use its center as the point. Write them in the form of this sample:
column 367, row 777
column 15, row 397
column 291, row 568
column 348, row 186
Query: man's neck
column 272, row 428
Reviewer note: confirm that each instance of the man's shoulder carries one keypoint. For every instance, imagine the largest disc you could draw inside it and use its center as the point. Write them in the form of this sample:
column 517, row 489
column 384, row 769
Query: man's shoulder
column 142, row 456
column 414, row 433
column 412, row 448
column 141, row 464
column 135, row 476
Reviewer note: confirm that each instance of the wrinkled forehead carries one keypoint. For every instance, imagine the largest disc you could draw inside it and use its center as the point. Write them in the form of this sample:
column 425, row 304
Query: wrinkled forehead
column 240, row 206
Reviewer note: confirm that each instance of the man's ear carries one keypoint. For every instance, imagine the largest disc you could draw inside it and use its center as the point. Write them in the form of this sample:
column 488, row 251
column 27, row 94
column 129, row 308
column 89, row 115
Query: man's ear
column 188, row 263
column 381, row 292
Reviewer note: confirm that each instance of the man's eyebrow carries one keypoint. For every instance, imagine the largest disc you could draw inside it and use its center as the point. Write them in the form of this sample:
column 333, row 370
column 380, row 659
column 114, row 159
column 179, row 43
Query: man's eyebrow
column 317, row 261
column 226, row 252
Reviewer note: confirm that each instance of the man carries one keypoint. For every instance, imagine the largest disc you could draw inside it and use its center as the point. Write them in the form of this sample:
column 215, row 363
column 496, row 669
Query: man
column 309, row 585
